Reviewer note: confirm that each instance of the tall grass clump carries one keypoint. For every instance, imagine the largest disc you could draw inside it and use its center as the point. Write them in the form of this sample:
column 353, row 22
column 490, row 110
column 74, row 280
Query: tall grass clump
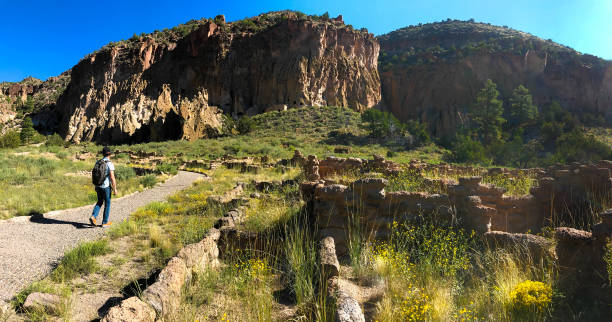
column 301, row 255
column 80, row 260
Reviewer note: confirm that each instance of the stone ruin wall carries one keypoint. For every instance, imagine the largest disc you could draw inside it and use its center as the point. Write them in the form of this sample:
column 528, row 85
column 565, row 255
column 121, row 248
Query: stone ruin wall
column 482, row 207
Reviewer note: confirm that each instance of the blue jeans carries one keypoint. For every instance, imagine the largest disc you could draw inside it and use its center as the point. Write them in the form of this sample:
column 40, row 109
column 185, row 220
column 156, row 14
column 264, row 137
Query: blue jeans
column 104, row 196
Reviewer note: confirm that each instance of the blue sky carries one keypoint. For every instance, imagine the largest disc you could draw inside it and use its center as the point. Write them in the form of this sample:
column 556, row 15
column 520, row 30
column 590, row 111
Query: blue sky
column 45, row 38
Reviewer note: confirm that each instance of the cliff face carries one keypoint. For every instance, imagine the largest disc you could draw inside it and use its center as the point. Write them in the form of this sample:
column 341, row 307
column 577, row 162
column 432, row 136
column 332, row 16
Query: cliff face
column 433, row 72
column 29, row 97
column 153, row 90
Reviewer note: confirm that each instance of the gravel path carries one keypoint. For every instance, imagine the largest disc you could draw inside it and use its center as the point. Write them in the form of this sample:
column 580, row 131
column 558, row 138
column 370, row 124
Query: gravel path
column 30, row 246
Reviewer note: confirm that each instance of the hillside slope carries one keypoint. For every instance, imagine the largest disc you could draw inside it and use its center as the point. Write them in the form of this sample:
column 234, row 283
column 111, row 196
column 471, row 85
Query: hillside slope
column 432, row 72
column 175, row 85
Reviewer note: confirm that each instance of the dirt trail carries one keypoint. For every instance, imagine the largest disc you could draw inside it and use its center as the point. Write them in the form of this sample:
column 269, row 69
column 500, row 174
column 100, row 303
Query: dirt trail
column 29, row 247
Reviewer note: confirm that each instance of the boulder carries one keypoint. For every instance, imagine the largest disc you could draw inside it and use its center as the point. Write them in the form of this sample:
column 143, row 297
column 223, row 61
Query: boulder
column 42, row 301
column 131, row 310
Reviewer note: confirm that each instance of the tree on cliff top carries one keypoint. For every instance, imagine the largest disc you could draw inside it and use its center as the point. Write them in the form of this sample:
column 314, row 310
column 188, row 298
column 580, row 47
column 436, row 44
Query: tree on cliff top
column 487, row 113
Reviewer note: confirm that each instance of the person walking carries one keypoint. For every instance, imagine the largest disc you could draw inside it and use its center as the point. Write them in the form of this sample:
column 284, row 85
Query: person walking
column 103, row 177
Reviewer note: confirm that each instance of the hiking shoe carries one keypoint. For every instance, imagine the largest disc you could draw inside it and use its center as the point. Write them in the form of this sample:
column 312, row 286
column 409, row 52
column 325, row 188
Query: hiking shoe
column 92, row 221
column 108, row 224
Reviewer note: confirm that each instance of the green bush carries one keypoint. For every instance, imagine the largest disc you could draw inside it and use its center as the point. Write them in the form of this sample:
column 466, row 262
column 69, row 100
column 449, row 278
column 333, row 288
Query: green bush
column 167, row 168
column 11, row 139
column 419, row 132
column 465, row 149
column 55, row 140
column 381, row 124
column 148, row 181
column 245, row 125
column 124, row 172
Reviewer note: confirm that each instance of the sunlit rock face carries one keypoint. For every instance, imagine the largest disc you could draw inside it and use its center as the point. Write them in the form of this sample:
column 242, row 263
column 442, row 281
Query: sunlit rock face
column 152, row 90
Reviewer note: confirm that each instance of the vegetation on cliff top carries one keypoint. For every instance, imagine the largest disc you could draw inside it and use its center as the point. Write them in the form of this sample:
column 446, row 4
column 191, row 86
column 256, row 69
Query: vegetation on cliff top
column 454, row 39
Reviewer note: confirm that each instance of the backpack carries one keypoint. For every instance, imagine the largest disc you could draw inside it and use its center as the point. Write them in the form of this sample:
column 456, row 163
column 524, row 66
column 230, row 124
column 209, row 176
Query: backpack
column 98, row 174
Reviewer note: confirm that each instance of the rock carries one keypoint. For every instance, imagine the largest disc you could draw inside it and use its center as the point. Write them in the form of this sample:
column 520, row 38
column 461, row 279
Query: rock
column 298, row 158
column 537, row 246
column 571, row 235
column 328, row 259
column 47, row 302
column 165, row 293
column 348, row 309
column 131, row 310
column 470, row 182
column 438, row 93
column 154, row 90
column 202, row 254
column 311, row 169
column 265, row 186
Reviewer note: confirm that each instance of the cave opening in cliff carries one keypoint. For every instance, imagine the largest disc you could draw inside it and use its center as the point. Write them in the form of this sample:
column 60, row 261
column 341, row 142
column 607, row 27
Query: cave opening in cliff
column 170, row 128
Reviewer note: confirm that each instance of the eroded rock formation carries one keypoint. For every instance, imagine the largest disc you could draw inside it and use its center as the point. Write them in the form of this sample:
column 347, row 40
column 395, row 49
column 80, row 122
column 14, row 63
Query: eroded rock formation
column 152, row 90
column 433, row 72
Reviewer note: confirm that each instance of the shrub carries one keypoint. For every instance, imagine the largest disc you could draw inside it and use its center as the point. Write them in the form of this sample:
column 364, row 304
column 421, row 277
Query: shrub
column 11, row 139
column 381, row 124
column 245, row 125
column 465, row 149
column 530, row 298
column 55, row 140
column 419, row 132
column 167, row 168
column 148, row 181
column 124, row 172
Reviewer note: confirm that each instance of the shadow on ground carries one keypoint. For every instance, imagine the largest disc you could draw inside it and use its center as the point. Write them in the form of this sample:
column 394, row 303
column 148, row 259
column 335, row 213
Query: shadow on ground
column 39, row 218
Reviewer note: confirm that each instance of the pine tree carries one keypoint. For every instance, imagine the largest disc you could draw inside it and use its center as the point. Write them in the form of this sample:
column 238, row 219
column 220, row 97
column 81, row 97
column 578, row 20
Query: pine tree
column 487, row 113
column 27, row 131
column 522, row 109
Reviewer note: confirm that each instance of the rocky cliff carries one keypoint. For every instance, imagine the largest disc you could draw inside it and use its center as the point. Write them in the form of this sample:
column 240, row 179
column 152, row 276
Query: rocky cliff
column 432, row 72
column 29, row 97
column 159, row 87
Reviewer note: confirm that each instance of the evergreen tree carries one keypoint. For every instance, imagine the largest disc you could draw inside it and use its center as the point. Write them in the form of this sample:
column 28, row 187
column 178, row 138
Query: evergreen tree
column 522, row 109
column 487, row 113
column 27, row 131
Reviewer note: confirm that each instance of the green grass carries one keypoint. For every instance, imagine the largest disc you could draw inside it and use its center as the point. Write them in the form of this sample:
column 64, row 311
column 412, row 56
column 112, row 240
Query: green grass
column 80, row 260
column 313, row 130
column 39, row 180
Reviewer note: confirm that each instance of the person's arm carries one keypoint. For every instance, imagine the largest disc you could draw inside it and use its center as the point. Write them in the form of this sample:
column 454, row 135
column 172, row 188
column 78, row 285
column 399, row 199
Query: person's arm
column 113, row 182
